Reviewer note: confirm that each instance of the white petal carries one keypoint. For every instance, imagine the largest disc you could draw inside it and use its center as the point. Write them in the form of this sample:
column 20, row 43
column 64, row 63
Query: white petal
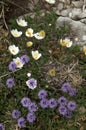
column 69, row 44
column 21, row 22
column 37, row 36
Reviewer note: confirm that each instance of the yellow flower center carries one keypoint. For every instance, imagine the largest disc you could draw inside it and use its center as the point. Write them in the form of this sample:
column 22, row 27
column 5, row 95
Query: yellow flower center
column 35, row 56
column 52, row 72
column 16, row 34
column 63, row 43
column 29, row 44
column 18, row 63
column 29, row 33
column 13, row 50
column 42, row 33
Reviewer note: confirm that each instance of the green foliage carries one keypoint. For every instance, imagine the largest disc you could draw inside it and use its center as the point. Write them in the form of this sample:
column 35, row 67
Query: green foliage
column 10, row 99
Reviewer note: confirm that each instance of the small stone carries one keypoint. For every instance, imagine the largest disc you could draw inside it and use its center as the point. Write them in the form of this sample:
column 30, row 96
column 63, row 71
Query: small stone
column 60, row 6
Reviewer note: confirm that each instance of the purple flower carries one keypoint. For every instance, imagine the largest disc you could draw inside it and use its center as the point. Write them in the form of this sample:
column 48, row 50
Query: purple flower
column 21, row 122
column 42, row 94
column 31, row 117
column 62, row 110
column 44, row 103
column 25, row 59
column 62, row 100
column 66, row 87
column 10, row 82
column 31, row 83
column 32, row 107
column 12, row 66
column 52, row 103
column 68, row 114
column 71, row 105
column 72, row 92
column 16, row 114
column 2, row 126
column 25, row 102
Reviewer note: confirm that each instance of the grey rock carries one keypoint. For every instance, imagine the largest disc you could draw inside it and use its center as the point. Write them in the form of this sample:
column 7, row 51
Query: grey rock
column 77, row 27
column 83, row 21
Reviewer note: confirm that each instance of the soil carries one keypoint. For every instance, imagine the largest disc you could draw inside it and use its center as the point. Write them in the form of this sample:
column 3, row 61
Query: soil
column 15, row 9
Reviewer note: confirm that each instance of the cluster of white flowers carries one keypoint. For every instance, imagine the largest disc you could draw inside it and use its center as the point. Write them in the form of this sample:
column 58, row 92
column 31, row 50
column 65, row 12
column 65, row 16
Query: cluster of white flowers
column 29, row 32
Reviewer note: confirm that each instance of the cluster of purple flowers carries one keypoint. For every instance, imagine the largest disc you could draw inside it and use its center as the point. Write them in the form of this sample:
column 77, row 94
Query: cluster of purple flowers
column 21, row 121
column 66, row 107
column 24, row 59
column 66, row 87
column 31, row 106
column 44, row 102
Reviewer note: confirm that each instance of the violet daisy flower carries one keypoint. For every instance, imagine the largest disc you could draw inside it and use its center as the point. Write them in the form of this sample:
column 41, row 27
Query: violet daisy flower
column 52, row 103
column 12, row 66
column 66, row 87
column 21, row 122
column 44, row 103
column 72, row 92
column 25, row 59
column 31, row 83
column 32, row 107
column 68, row 114
column 62, row 100
column 62, row 110
column 16, row 114
column 42, row 94
column 25, row 102
column 10, row 82
column 71, row 105
column 31, row 117
column 2, row 126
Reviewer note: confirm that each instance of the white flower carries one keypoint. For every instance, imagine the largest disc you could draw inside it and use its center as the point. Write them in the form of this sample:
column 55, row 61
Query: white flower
column 16, row 33
column 13, row 49
column 40, row 35
column 31, row 83
column 21, row 22
column 69, row 43
column 66, row 42
column 18, row 62
column 36, row 55
column 29, row 32
column 29, row 74
column 51, row 1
